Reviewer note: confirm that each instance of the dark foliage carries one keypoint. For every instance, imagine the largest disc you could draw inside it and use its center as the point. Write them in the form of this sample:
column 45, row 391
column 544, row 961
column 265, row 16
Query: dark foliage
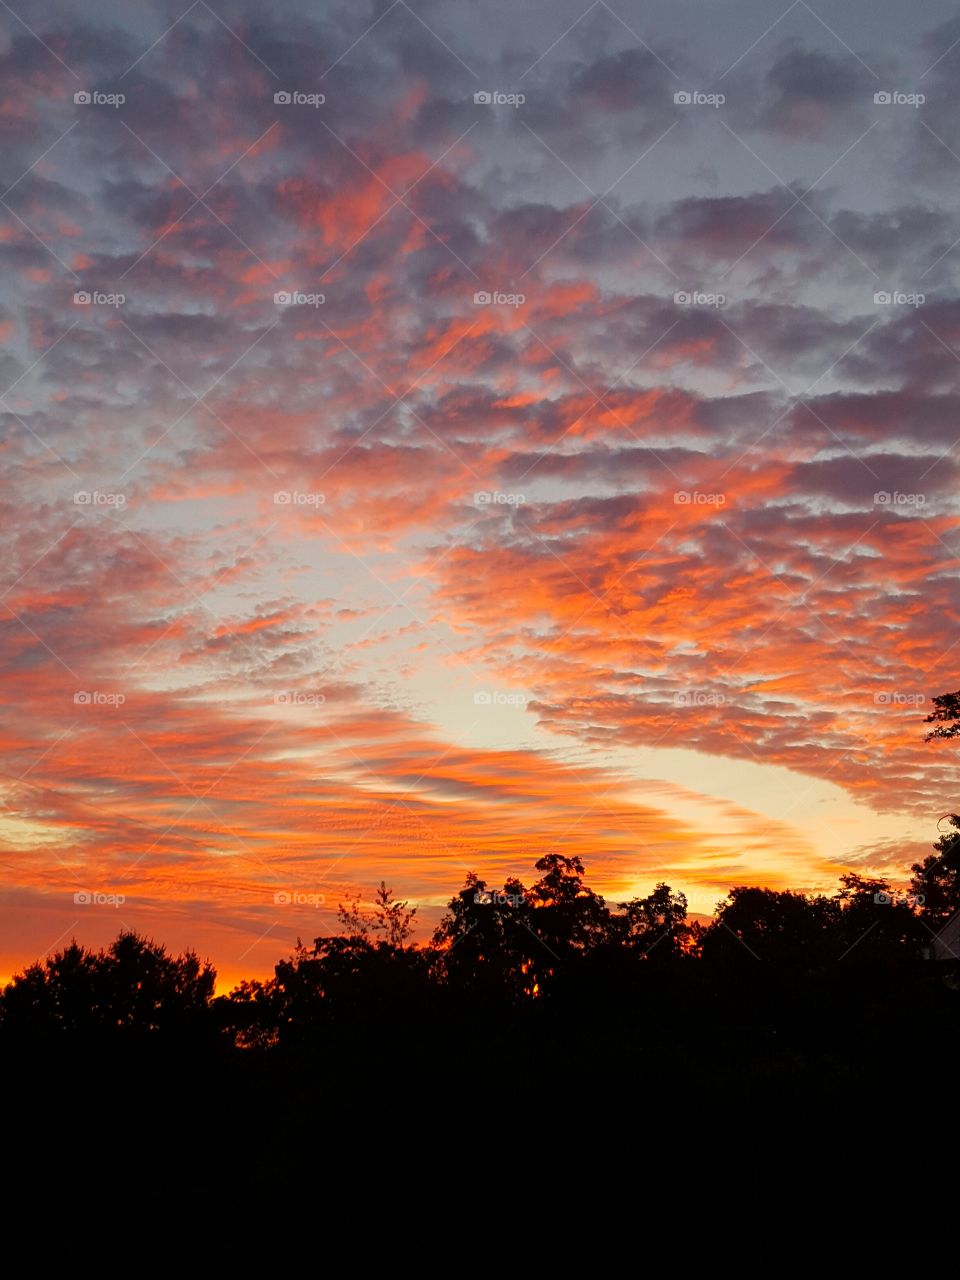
column 945, row 715
column 543, row 1044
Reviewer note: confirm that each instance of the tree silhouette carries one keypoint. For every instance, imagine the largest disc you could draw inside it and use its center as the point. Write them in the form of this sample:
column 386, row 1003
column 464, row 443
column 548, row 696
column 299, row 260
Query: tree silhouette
column 777, row 926
column 655, row 926
column 936, row 880
column 133, row 986
column 353, row 918
column 391, row 918
column 567, row 913
column 946, row 716
column 875, row 922
column 369, row 984
column 485, row 938
column 61, row 993
column 364, row 977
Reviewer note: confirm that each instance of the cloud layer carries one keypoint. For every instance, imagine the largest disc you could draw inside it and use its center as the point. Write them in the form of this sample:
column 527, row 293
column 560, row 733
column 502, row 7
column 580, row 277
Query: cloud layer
column 627, row 400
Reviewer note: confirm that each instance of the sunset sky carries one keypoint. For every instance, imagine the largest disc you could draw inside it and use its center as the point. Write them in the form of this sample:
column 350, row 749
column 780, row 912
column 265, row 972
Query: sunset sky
column 431, row 482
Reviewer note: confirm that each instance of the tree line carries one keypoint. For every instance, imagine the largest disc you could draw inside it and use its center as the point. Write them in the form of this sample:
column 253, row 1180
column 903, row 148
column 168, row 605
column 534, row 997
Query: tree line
column 513, row 945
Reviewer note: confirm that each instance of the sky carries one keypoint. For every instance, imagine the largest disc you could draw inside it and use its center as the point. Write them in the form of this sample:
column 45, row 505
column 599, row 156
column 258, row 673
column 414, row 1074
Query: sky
column 439, row 434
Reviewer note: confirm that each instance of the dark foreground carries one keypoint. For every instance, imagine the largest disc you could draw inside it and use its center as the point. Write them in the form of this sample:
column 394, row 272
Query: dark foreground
column 549, row 1083
column 749, row 1114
